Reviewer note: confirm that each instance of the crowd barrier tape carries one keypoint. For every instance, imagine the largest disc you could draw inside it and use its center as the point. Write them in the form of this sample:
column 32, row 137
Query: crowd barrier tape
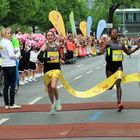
column 94, row 91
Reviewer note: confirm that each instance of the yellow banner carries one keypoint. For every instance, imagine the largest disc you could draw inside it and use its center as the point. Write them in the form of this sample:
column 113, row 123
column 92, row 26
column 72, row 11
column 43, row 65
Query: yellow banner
column 57, row 21
column 83, row 27
column 94, row 91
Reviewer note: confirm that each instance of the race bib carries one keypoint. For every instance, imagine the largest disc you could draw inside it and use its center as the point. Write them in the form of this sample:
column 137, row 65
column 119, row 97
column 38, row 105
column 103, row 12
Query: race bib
column 54, row 54
column 117, row 55
column 1, row 48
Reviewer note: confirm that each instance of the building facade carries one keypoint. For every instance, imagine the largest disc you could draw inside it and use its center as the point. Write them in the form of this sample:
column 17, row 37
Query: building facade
column 130, row 21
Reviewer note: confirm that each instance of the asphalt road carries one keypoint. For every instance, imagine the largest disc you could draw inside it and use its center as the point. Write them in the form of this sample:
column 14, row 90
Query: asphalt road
column 86, row 73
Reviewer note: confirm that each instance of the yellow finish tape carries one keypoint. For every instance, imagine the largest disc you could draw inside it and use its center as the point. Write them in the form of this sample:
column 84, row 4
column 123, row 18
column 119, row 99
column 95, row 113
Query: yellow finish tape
column 94, row 91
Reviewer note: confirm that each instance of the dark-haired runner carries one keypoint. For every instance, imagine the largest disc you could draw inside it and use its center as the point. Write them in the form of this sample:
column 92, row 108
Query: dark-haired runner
column 114, row 57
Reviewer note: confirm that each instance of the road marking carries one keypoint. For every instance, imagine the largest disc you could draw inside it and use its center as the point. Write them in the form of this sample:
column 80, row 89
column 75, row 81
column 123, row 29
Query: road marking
column 79, row 65
column 35, row 100
column 95, row 116
column 59, row 86
column 97, row 68
column 78, row 77
column 89, row 71
column 4, row 120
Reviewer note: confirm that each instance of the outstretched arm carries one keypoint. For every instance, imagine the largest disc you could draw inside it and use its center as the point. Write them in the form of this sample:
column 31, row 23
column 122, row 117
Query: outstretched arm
column 103, row 46
column 128, row 51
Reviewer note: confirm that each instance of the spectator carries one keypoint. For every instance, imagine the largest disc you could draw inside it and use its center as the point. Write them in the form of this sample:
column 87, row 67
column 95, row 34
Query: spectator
column 9, row 57
column 0, row 73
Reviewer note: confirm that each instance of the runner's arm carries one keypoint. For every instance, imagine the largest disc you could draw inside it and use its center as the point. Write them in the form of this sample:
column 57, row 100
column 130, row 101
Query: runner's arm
column 128, row 51
column 103, row 46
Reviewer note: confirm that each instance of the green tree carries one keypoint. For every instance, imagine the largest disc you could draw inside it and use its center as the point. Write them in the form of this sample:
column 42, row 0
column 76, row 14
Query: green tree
column 120, row 4
column 66, row 6
column 4, row 9
column 20, row 11
column 40, row 19
column 34, row 13
column 104, row 9
column 112, row 5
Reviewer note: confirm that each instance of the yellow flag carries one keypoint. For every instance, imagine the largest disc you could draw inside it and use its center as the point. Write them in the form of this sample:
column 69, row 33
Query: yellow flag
column 83, row 27
column 57, row 21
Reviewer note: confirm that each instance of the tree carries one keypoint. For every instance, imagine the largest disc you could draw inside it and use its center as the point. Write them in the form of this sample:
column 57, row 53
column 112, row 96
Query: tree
column 112, row 5
column 19, row 12
column 78, row 7
column 4, row 9
column 116, row 4
column 35, row 12
column 104, row 9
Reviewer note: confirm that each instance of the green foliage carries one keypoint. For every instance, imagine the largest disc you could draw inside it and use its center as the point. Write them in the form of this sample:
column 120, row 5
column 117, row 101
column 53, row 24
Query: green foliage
column 23, row 28
column 34, row 13
column 4, row 8
column 100, row 9
column 66, row 6
column 98, row 12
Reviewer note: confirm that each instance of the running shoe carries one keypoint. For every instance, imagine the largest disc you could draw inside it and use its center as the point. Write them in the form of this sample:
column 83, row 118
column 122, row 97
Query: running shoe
column 58, row 105
column 52, row 111
column 6, row 107
column 120, row 107
column 21, row 82
column 15, row 106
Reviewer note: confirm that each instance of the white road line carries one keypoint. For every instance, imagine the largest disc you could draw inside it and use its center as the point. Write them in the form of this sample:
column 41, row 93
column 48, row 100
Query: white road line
column 35, row 100
column 79, row 65
column 78, row 77
column 59, row 86
column 89, row 71
column 4, row 120
column 97, row 68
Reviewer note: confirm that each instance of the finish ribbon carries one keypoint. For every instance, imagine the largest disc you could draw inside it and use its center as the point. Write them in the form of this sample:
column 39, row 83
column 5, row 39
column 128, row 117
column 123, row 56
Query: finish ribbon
column 94, row 91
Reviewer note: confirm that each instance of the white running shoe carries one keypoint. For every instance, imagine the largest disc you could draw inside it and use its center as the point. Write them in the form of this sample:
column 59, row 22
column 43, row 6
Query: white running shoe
column 52, row 111
column 30, row 79
column 58, row 105
column 42, row 74
column 6, row 107
column 15, row 106
column 37, row 75
column 34, row 79
column 21, row 83
column 26, row 82
column 26, row 78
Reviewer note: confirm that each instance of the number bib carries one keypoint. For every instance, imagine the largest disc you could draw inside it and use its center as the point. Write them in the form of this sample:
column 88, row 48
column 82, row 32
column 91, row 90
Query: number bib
column 1, row 48
column 117, row 55
column 51, row 54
